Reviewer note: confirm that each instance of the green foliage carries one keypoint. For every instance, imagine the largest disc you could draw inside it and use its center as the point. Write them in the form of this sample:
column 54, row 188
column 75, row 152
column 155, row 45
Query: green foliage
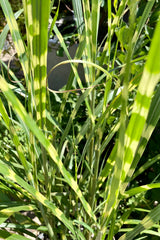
column 74, row 159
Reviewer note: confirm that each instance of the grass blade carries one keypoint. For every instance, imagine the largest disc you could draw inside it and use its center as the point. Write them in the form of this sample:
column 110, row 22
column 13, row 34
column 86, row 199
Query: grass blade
column 11, row 236
column 146, row 223
column 149, row 80
column 20, row 48
column 140, row 189
column 7, row 212
column 4, row 33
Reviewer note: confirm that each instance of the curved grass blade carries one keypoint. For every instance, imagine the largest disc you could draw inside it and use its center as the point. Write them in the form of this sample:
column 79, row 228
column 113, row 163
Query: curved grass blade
column 81, row 61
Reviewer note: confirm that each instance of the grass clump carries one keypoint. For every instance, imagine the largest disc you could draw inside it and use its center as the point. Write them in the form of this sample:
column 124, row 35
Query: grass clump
column 74, row 155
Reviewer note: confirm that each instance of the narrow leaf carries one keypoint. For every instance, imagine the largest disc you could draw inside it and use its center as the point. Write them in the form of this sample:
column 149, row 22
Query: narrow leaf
column 146, row 223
